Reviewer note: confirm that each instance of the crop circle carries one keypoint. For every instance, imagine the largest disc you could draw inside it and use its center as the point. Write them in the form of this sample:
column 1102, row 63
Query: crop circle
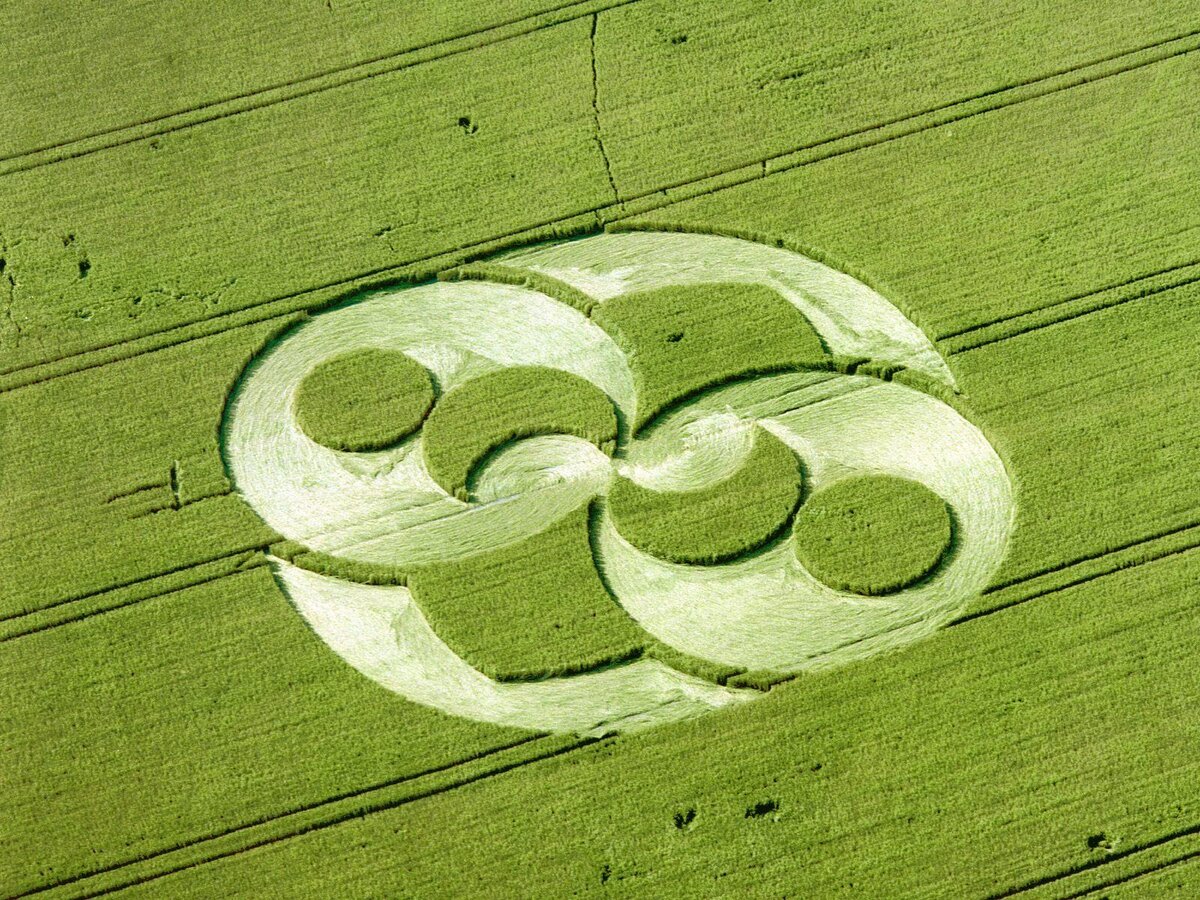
column 663, row 525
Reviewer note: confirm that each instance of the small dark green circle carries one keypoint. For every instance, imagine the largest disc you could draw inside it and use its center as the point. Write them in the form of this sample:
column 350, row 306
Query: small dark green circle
column 364, row 400
column 872, row 534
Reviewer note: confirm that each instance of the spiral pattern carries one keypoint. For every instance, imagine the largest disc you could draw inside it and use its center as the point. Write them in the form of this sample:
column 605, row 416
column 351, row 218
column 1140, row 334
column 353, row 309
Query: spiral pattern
column 695, row 493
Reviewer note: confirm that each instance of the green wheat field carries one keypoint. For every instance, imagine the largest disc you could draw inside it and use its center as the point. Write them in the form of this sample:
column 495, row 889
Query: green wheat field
column 533, row 449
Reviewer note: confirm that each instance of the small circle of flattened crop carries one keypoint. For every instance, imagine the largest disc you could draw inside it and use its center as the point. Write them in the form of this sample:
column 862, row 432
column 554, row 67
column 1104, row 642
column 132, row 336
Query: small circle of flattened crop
column 658, row 460
column 364, row 400
column 872, row 534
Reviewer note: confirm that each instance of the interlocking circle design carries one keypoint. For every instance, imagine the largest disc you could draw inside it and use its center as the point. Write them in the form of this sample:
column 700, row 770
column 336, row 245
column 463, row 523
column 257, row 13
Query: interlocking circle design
column 758, row 610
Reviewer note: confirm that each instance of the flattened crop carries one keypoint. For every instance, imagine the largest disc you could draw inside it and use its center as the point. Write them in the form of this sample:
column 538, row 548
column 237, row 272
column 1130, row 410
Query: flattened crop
column 502, row 406
column 717, row 522
column 600, row 501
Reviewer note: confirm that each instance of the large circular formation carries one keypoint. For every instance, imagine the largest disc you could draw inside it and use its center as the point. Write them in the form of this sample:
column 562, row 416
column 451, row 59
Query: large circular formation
column 753, row 505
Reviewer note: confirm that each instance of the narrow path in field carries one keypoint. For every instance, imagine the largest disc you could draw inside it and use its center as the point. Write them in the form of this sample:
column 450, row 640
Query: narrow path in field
column 592, row 218
column 272, row 94
column 1131, row 878
column 1015, row 317
column 1160, row 544
column 596, row 129
column 94, row 603
column 314, row 816
column 1113, row 869
column 1071, row 308
column 78, row 598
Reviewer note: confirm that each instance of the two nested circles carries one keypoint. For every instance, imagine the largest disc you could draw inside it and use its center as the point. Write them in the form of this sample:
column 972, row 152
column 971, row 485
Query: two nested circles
column 717, row 427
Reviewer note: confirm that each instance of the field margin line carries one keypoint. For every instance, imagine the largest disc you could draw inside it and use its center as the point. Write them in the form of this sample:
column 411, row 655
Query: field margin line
column 308, row 818
column 1112, row 869
column 1074, row 572
column 83, row 606
column 317, row 297
column 329, row 79
column 1074, row 307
